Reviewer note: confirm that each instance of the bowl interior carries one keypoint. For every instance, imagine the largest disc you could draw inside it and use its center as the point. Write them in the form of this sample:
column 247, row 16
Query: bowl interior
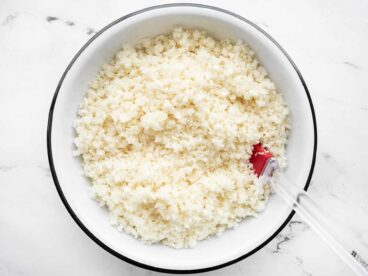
column 233, row 243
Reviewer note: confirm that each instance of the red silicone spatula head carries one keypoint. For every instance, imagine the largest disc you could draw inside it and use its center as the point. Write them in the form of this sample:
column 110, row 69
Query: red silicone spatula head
column 259, row 158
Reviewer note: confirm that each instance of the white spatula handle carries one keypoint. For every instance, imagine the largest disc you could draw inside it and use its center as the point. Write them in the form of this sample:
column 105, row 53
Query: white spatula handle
column 348, row 247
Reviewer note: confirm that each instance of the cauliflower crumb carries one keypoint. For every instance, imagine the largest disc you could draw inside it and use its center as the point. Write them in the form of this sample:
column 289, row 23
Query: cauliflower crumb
column 154, row 120
column 166, row 130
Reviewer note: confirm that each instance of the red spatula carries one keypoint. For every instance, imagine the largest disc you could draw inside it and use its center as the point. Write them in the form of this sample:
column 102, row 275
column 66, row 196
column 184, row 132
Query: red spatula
column 348, row 247
column 260, row 159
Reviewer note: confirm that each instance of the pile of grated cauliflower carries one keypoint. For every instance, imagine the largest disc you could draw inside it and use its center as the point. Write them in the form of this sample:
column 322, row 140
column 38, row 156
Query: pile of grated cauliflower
column 166, row 130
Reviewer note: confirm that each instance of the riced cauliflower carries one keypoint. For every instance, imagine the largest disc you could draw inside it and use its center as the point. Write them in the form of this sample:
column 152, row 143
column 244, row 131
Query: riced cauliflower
column 166, row 131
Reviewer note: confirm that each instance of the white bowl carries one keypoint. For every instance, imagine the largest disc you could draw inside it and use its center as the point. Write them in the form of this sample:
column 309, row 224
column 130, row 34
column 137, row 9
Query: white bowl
column 72, row 186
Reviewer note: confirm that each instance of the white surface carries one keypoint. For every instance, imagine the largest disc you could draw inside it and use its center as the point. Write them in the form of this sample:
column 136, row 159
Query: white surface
column 326, row 39
column 232, row 244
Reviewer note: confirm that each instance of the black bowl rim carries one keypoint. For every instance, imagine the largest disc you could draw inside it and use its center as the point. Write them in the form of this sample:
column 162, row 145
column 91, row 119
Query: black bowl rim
column 53, row 171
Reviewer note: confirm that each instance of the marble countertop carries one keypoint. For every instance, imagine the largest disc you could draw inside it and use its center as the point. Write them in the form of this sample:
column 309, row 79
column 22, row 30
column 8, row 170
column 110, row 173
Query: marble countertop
column 328, row 41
